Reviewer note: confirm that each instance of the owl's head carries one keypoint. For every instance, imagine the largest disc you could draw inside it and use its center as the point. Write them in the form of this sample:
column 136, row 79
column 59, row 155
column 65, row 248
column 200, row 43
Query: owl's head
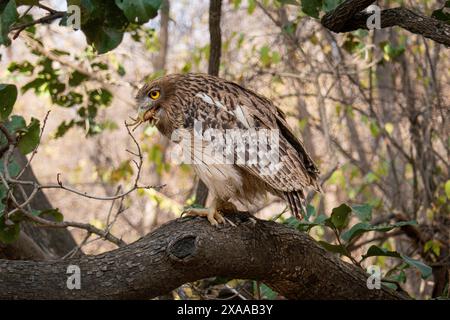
column 154, row 99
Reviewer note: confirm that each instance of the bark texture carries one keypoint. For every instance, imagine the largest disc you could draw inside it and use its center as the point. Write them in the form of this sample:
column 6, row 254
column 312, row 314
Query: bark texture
column 189, row 249
column 348, row 16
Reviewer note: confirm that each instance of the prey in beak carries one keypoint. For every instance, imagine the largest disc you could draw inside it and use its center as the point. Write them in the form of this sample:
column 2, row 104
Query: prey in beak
column 146, row 112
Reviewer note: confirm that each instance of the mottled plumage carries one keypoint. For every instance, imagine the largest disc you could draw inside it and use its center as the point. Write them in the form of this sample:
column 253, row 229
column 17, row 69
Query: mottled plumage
column 221, row 104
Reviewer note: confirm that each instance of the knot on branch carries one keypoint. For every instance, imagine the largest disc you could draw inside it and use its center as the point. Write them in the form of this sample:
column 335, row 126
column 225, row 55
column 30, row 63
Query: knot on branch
column 183, row 249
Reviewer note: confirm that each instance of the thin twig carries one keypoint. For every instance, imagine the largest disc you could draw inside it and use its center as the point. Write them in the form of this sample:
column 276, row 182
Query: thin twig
column 25, row 208
column 47, row 19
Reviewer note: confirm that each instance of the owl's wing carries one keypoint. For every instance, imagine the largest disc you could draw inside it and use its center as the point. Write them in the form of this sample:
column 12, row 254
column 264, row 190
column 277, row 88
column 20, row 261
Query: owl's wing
column 248, row 110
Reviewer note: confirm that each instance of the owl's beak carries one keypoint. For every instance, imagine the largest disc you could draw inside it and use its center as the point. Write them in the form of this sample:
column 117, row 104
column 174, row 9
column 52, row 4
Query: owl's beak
column 146, row 111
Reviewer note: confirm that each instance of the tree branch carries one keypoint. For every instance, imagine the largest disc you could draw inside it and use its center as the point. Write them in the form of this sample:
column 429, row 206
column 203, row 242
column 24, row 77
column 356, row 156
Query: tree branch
column 348, row 16
column 46, row 19
column 189, row 249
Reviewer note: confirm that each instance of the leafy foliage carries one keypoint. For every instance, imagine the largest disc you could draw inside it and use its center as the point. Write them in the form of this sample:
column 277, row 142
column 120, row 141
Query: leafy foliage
column 30, row 137
column 102, row 22
column 8, row 15
column 312, row 7
column 140, row 11
column 8, row 96
column 75, row 92
column 26, row 137
column 346, row 236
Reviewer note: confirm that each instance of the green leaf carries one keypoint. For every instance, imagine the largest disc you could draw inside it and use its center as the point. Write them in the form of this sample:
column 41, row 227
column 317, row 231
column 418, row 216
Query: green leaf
column 340, row 216
column 139, row 11
column 351, row 43
column 102, row 22
column 103, row 38
column 377, row 251
column 266, row 292
column 34, row 84
column 400, row 277
column 390, row 51
column 425, row 270
column 374, row 129
column 304, row 225
column 355, row 231
column 434, row 245
column 362, row 227
column 264, row 55
column 390, row 285
column 13, row 168
column 8, row 15
column 30, row 139
column 8, row 96
column 363, row 212
column 236, row 4
column 63, row 128
column 9, row 231
column 447, row 189
column 25, row 67
column 312, row 7
column 15, row 124
column 55, row 214
column 251, row 6
column 310, row 211
column 292, row 2
column 335, row 248
column 76, row 78
column 329, row 5
column 401, row 224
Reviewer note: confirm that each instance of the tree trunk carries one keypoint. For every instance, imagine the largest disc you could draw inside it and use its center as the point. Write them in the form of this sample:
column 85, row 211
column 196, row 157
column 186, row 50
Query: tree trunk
column 34, row 242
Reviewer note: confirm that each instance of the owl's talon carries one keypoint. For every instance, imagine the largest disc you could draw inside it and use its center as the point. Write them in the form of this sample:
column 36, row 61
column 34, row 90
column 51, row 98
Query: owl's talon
column 214, row 217
column 218, row 217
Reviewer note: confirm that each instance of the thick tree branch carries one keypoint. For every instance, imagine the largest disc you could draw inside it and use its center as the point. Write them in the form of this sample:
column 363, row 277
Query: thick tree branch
column 189, row 249
column 348, row 16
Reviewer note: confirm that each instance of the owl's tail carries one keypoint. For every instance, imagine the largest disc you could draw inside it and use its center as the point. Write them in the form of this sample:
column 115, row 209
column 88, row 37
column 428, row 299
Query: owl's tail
column 297, row 203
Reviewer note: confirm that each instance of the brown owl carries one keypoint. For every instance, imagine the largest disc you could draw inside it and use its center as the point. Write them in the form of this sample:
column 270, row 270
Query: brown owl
column 239, row 142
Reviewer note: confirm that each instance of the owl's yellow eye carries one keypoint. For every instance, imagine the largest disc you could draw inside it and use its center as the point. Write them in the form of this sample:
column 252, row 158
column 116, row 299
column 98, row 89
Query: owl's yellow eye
column 154, row 94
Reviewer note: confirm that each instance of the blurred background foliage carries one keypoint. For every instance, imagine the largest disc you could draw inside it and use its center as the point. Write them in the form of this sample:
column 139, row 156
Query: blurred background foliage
column 371, row 107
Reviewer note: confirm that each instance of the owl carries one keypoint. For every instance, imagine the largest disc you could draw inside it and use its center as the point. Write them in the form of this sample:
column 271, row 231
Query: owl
column 238, row 142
